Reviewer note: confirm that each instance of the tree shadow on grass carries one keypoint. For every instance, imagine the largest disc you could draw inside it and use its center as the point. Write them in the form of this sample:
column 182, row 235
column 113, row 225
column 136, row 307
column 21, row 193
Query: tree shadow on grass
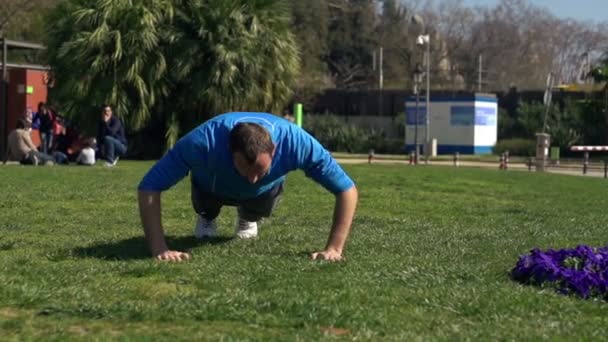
column 136, row 247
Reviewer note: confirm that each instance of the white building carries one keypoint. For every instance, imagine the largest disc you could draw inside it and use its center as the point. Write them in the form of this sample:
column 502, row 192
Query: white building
column 463, row 124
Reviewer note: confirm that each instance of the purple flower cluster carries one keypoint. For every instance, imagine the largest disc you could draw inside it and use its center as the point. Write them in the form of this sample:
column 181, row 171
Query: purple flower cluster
column 582, row 270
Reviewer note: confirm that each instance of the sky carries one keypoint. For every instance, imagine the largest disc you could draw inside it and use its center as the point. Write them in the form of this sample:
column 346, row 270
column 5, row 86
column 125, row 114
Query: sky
column 585, row 10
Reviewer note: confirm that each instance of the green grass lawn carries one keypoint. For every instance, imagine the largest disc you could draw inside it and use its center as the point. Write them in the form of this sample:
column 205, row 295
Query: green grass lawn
column 428, row 258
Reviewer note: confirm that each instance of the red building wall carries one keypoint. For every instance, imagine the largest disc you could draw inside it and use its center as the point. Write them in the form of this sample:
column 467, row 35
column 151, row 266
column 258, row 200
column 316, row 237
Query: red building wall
column 19, row 98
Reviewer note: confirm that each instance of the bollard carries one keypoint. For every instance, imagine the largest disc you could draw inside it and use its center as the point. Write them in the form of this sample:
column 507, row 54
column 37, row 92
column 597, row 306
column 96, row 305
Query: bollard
column 529, row 164
column 501, row 164
column 586, row 163
column 506, row 159
column 412, row 158
column 457, row 159
column 605, row 168
column 370, row 156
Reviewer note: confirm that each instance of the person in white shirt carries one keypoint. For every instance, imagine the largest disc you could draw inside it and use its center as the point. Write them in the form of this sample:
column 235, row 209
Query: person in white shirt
column 87, row 154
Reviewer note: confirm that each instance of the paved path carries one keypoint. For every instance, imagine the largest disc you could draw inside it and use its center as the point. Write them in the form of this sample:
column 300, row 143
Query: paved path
column 571, row 170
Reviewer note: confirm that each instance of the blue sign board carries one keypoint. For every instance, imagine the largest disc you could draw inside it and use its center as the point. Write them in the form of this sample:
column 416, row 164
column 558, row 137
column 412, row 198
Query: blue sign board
column 470, row 115
column 410, row 119
column 462, row 115
column 485, row 116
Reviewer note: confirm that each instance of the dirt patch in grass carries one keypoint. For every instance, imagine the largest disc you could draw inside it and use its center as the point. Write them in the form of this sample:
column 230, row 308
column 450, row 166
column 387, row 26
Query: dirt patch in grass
column 9, row 313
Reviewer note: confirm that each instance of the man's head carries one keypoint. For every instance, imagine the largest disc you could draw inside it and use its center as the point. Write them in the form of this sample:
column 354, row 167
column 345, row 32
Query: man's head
column 22, row 124
column 28, row 114
column 106, row 112
column 252, row 150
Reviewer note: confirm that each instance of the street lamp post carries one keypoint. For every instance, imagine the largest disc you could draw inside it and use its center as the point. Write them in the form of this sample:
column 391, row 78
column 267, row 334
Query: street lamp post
column 417, row 79
column 426, row 40
column 427, row 133
column 416, row 149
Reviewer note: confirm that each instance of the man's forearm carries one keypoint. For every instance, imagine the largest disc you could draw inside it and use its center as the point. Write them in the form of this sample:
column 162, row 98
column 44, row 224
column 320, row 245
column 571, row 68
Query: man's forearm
column 30, row 143
column 150, row 212
column 344, row 211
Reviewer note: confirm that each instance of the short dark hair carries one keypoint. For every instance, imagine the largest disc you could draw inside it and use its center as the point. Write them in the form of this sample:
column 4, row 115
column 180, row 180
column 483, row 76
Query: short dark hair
column 20, row 124
column 250, row 140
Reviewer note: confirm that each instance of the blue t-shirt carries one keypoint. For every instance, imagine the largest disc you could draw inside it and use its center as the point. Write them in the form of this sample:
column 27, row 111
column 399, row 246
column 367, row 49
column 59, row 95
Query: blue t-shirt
column 205, row 152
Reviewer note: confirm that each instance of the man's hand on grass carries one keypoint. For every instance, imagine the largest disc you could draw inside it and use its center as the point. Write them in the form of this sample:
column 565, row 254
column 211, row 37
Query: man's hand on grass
column 328, row 255
column 175, row 256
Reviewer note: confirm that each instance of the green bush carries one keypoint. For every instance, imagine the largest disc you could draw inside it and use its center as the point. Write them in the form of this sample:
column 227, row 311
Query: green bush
column 337, row 136
column 516, row 147
column 387, row 146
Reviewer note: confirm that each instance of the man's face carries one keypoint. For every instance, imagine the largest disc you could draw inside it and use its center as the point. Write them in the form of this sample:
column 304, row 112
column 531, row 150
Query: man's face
column 256, row 171
column 106, row 114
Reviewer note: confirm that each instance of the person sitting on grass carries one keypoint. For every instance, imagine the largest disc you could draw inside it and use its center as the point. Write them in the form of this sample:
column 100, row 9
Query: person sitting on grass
column 20, row 147
column 111, row 137
column 241, row 159
column 87, row 154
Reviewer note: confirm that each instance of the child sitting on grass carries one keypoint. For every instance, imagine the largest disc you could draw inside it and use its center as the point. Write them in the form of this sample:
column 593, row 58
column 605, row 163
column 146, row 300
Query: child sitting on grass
column 87, row 154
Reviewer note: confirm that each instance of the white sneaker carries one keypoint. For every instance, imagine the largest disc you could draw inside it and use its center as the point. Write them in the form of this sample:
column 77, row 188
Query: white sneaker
column 111, row 164
column 245, row 229
column 205, row 228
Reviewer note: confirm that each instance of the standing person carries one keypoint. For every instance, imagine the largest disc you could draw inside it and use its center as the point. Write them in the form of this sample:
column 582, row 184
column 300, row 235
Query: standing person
column 241, row 159
column 47, row 121
column 111, row 136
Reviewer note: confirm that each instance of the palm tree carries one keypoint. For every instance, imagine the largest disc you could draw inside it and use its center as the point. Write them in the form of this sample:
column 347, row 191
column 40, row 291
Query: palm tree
column 179, row 61
column 231, row 55
column 105, row 51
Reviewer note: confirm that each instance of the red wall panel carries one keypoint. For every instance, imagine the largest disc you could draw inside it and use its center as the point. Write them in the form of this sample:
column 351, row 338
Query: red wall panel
column 19, row 81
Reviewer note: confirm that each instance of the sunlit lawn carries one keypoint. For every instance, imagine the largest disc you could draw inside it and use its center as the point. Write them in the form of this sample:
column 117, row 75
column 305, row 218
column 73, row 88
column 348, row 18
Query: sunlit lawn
column 428, row 258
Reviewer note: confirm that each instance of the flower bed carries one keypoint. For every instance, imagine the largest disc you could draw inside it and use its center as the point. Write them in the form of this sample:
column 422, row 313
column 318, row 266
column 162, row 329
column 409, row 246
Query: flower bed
column 582, row 270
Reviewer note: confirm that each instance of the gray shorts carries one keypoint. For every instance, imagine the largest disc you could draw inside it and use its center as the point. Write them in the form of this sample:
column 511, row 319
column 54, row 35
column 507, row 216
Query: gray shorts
column 209, row 205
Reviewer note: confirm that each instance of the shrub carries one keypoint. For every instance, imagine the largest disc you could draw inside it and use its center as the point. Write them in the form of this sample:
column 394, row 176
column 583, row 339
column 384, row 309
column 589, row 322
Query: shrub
column 338, row 136
column 333, row 133
column 516, row 147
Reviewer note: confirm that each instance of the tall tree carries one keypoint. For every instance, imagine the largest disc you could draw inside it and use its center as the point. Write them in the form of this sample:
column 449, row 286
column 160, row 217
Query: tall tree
column 453, row 22
column 397, row 35
column 231, row 55
column 310, row 21
column 109, row 52
column 520, row 43
column 24, row 19
column 179, row 61
column 352, row 42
